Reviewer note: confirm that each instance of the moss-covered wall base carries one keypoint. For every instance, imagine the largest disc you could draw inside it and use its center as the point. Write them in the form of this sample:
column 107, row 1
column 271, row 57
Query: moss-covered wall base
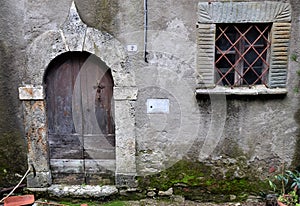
column 12, row 159
column 200, row 181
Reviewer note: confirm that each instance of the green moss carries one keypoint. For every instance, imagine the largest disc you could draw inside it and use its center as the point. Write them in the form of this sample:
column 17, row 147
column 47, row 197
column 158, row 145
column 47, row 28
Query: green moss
column 182, row 172
column 132, row 195
column 12, row 158
column 92, row 203
column 196, row 181
column 115, row 203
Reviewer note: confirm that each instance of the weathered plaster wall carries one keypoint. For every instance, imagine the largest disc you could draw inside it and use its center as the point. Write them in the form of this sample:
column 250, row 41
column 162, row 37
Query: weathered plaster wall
column 294, row 81
column 264, row 131
column 41, row 16
column 258, row 128
column 261, row 129
column 12, row 62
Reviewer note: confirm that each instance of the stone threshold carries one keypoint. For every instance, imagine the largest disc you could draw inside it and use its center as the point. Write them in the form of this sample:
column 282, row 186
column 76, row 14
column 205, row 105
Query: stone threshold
column 78, row 191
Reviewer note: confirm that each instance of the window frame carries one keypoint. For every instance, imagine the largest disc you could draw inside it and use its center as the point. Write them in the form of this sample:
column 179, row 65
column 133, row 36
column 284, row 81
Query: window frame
column 278, row 14
column 239, row 47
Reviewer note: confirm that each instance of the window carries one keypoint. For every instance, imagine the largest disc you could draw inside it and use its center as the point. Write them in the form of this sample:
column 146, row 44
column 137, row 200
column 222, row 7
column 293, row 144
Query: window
column 243, row 47
column 241, row 52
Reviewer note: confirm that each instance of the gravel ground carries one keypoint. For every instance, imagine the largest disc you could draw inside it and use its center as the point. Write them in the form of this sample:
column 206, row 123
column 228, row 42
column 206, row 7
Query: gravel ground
column 152, row 202
column 179, row 201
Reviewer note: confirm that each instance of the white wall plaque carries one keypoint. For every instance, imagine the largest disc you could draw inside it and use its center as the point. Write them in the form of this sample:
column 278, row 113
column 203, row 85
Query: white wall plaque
column 158, row 106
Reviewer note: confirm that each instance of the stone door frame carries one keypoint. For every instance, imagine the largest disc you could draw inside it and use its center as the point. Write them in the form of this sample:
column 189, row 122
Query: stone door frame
column 74, row 35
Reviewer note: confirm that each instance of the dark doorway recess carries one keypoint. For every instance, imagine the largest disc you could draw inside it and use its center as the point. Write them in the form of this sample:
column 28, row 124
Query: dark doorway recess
column 81, row 129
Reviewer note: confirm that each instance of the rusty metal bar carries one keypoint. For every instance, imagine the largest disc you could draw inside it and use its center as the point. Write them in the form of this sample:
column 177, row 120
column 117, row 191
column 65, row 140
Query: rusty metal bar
column 240, row 51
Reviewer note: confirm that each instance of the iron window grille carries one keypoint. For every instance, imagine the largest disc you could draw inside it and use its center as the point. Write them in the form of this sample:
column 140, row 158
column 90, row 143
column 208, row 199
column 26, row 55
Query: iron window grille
column 241, row 54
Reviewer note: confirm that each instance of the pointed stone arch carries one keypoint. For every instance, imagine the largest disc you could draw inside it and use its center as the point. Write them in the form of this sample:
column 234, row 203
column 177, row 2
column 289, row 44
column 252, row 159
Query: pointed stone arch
column 74, row 35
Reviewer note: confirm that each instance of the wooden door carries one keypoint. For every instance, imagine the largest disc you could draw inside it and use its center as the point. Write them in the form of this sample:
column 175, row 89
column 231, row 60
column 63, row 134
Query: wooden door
column 79, row 89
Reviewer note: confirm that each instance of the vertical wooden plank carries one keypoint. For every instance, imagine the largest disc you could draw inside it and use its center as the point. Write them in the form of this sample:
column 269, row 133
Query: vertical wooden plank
column 88, row 83
column 73, row 115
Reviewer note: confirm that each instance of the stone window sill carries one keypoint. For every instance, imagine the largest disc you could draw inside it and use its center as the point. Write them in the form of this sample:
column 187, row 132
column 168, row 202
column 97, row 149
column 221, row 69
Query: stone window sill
column 242, row 91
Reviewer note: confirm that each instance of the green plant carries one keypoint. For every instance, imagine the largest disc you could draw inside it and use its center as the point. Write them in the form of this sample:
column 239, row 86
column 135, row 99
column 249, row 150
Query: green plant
column 289, row 184
column 115, row 203
column 295, row 178
column 294, row 57
column 289, row 199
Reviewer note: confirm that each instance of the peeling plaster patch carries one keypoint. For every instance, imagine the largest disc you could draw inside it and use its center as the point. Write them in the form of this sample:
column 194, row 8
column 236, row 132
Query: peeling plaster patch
column 164, row 44
column 174, row 40
column 177, row 26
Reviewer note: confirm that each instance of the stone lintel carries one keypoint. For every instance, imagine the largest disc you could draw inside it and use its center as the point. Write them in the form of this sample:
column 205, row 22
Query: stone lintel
column 242, row 12
column 31, row 92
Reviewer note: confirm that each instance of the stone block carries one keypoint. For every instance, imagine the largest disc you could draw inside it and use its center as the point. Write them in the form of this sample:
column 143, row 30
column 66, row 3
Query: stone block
column 240, row 12
column 168, row 192
column 125, row 137
column 74, row 30
column 126, row 180
column 125, row 93
column 30, row 92
column 39, row 60
column 82, row 191
column 36, row 135
column 40, row 180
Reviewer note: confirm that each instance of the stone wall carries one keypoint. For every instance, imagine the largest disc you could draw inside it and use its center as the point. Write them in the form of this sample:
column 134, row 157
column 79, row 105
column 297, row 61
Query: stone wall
column 261, row 131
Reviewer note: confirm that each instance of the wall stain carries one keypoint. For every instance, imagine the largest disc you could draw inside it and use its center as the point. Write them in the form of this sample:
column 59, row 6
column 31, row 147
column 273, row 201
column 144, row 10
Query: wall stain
column 296, row 157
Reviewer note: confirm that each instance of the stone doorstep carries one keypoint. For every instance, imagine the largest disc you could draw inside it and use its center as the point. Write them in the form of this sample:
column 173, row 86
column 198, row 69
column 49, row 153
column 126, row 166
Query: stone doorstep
column 89, row 191
column 80, row 191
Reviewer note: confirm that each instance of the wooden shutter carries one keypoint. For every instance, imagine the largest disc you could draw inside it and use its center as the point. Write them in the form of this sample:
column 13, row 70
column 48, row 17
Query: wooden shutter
column 206, row 54
column 279, row 54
